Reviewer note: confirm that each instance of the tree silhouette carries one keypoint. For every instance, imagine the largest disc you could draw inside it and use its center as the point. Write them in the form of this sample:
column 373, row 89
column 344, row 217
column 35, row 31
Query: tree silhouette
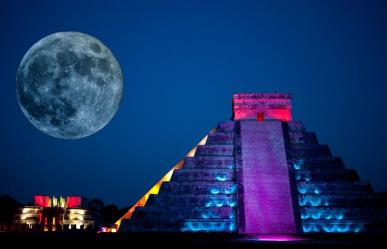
column 8, row 208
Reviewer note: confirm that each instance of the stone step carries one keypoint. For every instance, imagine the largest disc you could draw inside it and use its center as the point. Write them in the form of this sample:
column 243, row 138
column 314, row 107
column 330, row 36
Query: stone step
column 323, row 170
column 209, row 162
column 192, row 201
column 203, row 175
column 134, row 225
column 160, row 213
column 220, row 138
column 332, row 227
column 327, row 175
column 310, row 151
column 172, row 226
column 213, row 188
column 226, row 126
column 209, row 226
column 215, row 150
column 296, row 126
column 324, row 213
column 343, row 200
column 145, row 217
column 196, row 204
column 317, row 163
column 306, row 138
column 335, row 187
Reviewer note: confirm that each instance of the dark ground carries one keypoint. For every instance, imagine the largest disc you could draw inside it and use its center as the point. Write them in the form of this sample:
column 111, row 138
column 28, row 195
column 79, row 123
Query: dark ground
column 182, row 240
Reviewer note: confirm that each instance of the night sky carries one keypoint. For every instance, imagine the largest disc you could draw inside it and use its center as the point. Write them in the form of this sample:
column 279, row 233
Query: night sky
column 182, row 61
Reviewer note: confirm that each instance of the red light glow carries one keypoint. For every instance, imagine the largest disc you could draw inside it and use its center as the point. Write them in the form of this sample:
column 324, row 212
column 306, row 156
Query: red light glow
column 74, row 201
column 42, row 201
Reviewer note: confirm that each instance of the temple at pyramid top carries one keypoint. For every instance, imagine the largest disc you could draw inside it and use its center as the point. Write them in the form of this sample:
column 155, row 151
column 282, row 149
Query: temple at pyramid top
column 262, row 106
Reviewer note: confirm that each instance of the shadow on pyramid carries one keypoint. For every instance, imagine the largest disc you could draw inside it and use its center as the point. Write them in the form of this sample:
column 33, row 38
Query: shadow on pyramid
column 260, row 173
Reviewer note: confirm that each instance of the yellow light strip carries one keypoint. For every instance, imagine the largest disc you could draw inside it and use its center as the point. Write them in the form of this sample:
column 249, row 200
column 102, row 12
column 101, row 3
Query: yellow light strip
column 155, row 189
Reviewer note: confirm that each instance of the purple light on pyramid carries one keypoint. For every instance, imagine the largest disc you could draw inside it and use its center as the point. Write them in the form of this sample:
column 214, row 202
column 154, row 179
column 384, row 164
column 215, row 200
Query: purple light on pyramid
column 265, row 198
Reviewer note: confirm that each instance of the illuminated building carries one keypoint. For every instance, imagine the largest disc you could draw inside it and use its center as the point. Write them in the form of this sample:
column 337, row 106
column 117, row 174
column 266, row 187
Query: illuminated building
column 56, row 214
column 260, row 173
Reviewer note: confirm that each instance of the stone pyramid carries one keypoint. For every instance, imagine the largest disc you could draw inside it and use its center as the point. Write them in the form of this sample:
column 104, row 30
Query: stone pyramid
column 260, row 173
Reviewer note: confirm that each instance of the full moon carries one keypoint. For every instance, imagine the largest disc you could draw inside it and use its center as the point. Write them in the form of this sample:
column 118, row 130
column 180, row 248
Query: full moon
column 69, row 85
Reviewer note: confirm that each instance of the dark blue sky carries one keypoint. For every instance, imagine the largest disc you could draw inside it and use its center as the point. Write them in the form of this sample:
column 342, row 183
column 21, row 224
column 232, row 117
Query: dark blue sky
column 182, row 61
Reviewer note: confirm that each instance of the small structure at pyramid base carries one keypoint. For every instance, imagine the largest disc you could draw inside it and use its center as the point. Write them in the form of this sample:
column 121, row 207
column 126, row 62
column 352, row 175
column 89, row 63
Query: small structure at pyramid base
column 260, row 173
